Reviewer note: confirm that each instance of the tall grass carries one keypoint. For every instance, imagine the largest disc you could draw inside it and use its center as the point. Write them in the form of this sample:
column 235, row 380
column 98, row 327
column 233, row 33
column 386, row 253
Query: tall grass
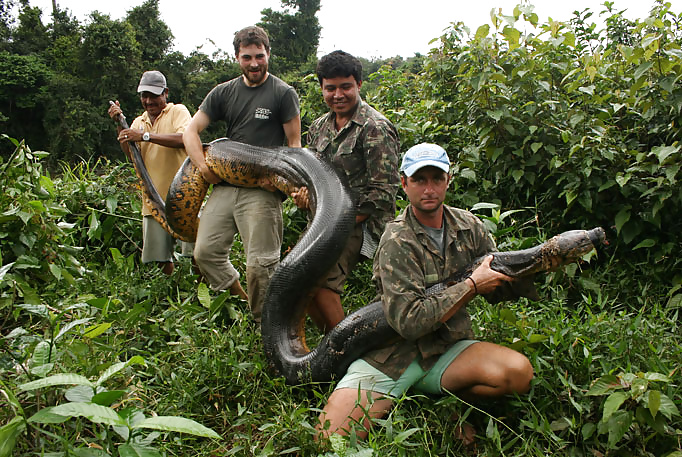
column 203, row 358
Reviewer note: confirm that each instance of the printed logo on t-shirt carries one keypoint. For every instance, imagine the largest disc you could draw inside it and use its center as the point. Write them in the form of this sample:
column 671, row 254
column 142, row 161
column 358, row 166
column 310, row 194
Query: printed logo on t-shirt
column 263, row 113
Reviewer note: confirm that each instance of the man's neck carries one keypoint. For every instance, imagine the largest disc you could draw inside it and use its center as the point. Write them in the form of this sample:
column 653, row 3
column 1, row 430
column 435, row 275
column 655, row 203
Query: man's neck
column 152, row 118
column 341, row 121
column 433, row 219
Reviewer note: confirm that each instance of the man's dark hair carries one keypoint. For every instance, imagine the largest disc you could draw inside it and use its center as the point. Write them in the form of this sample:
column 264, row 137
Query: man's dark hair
column 251, row 35
column 339, row 64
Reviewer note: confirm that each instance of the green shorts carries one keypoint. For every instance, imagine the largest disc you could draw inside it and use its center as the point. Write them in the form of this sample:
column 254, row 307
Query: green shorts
column 361, row 375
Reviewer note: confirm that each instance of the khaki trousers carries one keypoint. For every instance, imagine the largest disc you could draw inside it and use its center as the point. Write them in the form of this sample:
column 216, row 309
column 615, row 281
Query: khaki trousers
column 256, row 215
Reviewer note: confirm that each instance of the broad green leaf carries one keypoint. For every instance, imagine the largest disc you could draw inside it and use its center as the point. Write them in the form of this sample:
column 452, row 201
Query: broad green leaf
column 517, row 175
column 71, row 325
column 618, row 425
column 537, row 338
column 653, row 376
column 638, row 387
column 204, row 295
column 668, row 83
column 41, row 353
column 112, row 203
column 512, row 35
column 654, row 402
column 5, row 269
column 115, row 368
column 137, row 450
column 668, row 408
column 42, row 370
column 647, row 40
column 96, row 330
column 40, row 310
column 562, row 423
column 648, row 243
column 177, row 424
column 117, row 257
column 642, row 69
column 402, row 436
column 622, row 217
column 663, row 152
column 46, row 416
column 108, row 397
column 11, row 398
column 483, row 205
column 482, row 32
column 96, row 413
column 604, row 385
column 622, row 180
column 63, row 379
column 612, row 404
column 79, row 394
column 536, row 146
column 94, row 225
column 56, row 271
column 588, row 430
column 9, row 433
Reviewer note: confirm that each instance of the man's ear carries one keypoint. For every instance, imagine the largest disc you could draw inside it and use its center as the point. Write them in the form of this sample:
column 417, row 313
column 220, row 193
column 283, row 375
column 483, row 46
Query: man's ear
column 403, row 180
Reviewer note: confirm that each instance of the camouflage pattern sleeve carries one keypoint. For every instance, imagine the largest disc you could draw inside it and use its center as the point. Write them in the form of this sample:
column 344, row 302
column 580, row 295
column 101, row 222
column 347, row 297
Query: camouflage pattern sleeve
column 400, row 276
column 382, row 155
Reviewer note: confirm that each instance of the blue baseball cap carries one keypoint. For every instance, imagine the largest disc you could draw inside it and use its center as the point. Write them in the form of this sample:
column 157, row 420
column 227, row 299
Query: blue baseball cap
column 424, row 155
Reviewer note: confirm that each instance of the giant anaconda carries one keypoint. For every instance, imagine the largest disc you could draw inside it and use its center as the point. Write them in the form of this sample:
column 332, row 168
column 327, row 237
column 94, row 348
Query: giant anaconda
column 333, row 219
column 367, row 328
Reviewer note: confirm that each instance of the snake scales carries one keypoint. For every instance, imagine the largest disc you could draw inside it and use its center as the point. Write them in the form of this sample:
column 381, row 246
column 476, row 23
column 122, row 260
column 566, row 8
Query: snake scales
column 334, row 217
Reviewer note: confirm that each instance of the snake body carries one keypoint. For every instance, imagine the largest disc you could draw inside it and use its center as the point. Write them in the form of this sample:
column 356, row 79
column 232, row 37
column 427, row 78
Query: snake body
column 367, row 328
column 296, row 277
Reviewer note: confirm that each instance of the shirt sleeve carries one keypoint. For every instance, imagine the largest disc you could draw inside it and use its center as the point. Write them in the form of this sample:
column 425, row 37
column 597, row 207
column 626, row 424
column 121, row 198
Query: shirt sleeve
column 211, row 105
column 180, row 118
column 408, row 309
column 382, row 151
column 290, row 105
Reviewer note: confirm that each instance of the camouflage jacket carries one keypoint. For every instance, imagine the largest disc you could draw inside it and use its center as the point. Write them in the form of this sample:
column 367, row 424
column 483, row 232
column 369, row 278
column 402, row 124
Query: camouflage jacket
column 366, row 152
column 406, row 264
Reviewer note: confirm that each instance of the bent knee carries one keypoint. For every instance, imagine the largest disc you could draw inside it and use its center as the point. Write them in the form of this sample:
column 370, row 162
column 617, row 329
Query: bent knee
column 519, row 374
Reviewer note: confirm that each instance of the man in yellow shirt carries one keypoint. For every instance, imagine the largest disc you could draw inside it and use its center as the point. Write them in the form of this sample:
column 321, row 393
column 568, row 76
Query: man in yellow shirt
column 158, row 134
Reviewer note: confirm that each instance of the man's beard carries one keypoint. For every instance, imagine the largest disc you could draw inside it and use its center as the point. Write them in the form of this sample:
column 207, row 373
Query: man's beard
column 255, row 79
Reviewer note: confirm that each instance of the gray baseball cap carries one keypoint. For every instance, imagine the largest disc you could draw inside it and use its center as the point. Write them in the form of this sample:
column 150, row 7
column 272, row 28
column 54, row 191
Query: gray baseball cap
column 152, row 81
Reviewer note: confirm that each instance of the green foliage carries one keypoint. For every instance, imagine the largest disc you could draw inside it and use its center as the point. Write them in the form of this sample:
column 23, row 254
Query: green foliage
column 72, row 377
column 631, row 398
column 293, row 37
column 151, row 32
column 579, row 124
column 23, row 91
column 34, row 233
column 563, row 127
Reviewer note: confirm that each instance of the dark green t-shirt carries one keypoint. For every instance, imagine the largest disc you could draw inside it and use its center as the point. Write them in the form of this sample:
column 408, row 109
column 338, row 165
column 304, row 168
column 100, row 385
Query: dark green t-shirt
column 254, row 115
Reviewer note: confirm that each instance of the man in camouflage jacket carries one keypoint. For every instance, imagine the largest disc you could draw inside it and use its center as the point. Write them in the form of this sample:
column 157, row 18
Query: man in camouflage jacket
column 424, row 246
column 363, row 147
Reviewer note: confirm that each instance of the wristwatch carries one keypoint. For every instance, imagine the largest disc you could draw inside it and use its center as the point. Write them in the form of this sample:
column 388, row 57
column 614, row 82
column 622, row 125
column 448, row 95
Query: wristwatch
column 145, row 136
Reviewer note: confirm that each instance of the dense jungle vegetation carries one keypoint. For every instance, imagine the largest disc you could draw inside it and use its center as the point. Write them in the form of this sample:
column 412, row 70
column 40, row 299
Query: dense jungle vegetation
column 550, row 125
